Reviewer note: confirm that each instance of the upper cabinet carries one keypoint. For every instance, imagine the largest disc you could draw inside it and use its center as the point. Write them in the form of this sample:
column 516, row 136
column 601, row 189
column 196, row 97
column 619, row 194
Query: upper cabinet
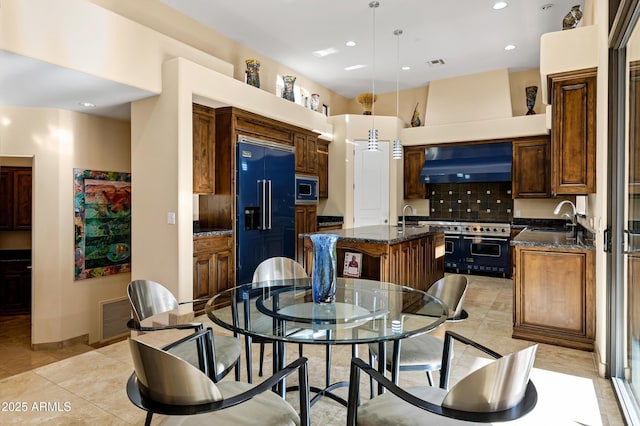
column 573, row 132
column 306, row 153
column 204, row 135
column 413, row 162
column 323, row 169
column 15, row 197
column 531, row 168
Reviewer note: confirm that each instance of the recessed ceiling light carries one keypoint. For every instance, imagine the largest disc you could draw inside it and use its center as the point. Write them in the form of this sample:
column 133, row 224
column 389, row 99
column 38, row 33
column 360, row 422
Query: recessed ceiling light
column 405, row 68
column 87, row 104
column 509, row 47
column 499, row 5
column 325, row 52
column 354, row 67
column 350, row 43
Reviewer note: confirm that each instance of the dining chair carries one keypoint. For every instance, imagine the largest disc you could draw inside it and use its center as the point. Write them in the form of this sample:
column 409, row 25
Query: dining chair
column 499, row 391
column 149, row 298
column 164, row 383
column 424, row 352
column 274, row 268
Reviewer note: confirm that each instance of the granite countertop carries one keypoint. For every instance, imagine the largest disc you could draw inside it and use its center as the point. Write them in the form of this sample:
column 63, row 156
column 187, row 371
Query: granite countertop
column 554, row 239
column 380, row 234
column 204, row 232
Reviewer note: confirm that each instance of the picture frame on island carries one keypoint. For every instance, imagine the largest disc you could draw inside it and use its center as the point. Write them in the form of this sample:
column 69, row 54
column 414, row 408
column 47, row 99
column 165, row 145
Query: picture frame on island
column 352, row 264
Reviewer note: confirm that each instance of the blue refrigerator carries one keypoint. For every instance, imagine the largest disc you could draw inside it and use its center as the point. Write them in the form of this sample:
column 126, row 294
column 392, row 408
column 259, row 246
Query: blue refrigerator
column 265, row 204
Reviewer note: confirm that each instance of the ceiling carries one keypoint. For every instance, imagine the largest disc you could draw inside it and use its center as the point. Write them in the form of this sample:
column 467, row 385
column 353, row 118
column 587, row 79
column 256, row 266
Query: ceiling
column 468, row 35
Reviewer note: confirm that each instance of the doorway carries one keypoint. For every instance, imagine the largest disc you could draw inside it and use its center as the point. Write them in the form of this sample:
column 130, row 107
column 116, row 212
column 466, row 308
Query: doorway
column 16, row 188
column 371, row 184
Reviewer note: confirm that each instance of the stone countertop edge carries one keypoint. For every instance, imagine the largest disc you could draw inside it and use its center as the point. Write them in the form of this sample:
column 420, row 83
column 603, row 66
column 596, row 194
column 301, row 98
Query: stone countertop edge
column 552, row 240
column 378, row 234
column 212, row 233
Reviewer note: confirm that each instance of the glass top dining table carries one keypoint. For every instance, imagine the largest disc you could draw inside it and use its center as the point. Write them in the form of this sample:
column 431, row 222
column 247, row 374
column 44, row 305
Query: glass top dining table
column 364, row 311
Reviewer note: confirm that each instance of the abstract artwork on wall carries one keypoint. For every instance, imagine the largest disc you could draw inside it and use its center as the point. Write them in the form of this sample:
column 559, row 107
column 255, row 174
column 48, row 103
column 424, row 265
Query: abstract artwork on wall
column 102, row 223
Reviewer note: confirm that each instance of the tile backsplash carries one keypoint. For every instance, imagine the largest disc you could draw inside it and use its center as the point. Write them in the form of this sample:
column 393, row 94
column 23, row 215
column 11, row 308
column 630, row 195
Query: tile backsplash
column 489, row 201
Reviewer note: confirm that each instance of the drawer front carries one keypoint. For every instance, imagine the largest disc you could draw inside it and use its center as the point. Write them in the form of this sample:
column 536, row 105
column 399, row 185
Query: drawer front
column 212, row 244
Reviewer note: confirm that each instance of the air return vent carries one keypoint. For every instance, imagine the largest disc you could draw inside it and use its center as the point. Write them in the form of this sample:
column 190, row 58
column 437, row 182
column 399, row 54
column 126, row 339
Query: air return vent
column 435, row 62
column 114, row 315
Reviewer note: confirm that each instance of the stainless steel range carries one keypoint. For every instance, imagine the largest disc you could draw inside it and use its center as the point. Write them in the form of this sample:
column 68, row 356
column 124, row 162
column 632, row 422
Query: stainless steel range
column 476, row 247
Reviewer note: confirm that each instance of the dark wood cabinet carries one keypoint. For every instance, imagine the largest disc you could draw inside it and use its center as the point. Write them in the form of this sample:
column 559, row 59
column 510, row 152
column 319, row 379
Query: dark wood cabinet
column 15, row 198
column 531, row 168
column 15, row 287
column 306, row 222
column 323, row 169
column 634, row 127
column 413, row 162
column 213, row 267
column 573, row 132
column 554, row 297
column 204, row 133
column 306, row 145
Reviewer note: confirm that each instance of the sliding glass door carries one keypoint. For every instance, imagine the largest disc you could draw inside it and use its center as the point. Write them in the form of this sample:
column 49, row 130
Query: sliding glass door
column 624, row 209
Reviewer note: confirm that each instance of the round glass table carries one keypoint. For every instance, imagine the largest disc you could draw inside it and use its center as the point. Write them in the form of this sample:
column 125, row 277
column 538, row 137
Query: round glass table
column 365, row 311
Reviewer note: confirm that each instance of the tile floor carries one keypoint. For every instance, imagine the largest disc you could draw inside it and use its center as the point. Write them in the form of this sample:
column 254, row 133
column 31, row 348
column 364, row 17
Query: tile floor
column 81, row 385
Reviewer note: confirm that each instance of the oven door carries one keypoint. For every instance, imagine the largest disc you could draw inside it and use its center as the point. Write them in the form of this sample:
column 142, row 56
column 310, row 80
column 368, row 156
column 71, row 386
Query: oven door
column 452, row 251
column 486, row 254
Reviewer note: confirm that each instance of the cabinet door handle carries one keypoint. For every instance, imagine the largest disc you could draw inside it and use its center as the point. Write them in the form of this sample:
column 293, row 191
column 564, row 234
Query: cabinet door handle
column 264, row 204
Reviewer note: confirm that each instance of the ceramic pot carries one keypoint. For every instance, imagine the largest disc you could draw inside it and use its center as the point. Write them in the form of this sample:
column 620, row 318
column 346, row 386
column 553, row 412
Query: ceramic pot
column 287, row 91
column 323, row 276
column 253, row 72
column 315, row 101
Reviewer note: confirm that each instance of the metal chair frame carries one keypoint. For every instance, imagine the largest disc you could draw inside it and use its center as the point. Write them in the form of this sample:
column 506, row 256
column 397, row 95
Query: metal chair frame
column 524, row 406
column 451, row 290
column 148, row 298
column 142, row 397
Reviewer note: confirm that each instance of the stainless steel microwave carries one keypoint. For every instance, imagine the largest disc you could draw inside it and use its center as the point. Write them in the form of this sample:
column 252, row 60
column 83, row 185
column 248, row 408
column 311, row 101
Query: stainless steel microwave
column 306, row 189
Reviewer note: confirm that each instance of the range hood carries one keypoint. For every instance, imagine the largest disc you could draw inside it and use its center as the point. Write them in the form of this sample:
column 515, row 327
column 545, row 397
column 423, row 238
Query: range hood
column 487, row 162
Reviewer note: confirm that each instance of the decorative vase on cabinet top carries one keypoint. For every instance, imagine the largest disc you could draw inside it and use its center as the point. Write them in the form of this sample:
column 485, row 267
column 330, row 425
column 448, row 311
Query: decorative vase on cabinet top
column 287, row 91
column 253, row 72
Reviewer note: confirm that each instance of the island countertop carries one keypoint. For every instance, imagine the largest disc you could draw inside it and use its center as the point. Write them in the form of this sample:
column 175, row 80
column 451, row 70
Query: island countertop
column 379, row 234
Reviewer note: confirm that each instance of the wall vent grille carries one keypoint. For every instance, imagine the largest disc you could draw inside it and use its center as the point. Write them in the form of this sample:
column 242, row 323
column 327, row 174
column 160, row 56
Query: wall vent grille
column 114, row 315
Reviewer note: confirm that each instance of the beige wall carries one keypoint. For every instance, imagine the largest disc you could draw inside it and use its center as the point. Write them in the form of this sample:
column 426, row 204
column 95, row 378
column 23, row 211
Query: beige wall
column 349, row 128
column 162, row 18
column 58, row 142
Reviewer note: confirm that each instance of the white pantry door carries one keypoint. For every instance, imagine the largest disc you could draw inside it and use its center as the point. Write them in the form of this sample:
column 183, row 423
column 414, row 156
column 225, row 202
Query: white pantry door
column 371, row 185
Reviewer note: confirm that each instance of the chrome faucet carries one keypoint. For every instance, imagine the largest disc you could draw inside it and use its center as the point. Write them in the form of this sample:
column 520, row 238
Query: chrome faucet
column 573, row 217
column 574, row 212
column 404, row 220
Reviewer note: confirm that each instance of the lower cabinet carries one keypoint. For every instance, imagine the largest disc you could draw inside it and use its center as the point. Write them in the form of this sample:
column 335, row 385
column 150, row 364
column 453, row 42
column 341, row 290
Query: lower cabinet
column 213, row 267
column 416, row 263
column 306, row 218
column 15, row 288
column 554, row 297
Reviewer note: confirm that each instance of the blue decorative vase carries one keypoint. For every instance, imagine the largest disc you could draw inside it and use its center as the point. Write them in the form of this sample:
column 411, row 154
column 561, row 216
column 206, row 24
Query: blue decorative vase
column 323, row 276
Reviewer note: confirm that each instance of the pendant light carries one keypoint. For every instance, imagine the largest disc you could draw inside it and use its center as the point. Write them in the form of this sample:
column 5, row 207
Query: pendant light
column 397, row 144
column 373, row 132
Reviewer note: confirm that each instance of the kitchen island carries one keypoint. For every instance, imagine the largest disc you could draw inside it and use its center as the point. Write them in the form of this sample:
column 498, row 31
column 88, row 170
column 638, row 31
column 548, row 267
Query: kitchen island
column 414, row 258
column 554, row 287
